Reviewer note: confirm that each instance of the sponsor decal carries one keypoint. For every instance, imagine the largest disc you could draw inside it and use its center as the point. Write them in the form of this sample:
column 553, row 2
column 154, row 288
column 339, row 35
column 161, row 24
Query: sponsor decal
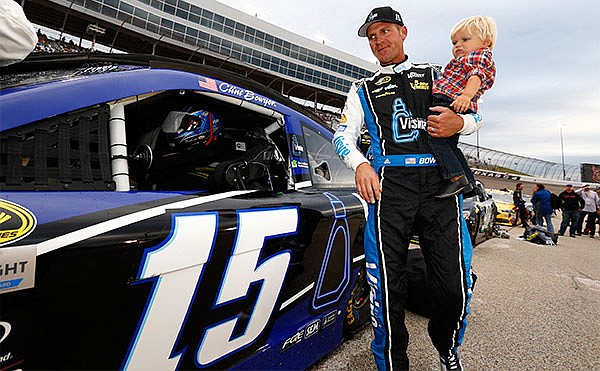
column 341, row 148
column 385, row 94
column 208, row 84
column 387, row 87
column 343, row 119
column 16, row 222
column 413, row 75
column 312, row 329
column 495, row 174
column 293, row 340
column 306, row 332
column 419, row 85
column 329, row 318
column 300, row 164
column 17, row 268
column 372, row 16
column 383, row 80
column 5, row 330
column 297, row 149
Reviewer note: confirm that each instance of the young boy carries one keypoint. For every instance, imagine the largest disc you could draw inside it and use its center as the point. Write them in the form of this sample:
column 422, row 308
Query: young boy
column 464, row 79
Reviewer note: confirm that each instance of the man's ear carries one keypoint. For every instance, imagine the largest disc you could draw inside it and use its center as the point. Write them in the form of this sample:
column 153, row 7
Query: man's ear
column 403, row 32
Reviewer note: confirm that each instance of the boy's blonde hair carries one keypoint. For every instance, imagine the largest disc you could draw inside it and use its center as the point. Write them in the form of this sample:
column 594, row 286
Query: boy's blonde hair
column 482, row 26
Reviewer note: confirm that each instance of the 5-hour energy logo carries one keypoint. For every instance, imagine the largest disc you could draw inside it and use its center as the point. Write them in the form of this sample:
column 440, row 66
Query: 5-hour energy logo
column 16, row 222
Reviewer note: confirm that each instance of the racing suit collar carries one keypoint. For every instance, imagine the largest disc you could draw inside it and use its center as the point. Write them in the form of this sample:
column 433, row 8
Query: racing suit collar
column 396, row 68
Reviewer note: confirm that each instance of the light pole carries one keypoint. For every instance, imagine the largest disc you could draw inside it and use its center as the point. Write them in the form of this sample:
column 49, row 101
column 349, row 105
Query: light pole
column 562, row 151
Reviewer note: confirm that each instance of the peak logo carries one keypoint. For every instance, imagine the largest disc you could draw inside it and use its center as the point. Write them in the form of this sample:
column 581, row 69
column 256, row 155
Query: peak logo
column 16, row 222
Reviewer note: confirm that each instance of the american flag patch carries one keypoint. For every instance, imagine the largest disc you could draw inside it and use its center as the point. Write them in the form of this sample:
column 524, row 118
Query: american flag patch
column 207, row 83
column 410, row 161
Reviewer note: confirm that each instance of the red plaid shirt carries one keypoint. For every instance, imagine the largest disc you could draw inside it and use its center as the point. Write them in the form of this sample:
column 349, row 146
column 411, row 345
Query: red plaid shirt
column 453, row 80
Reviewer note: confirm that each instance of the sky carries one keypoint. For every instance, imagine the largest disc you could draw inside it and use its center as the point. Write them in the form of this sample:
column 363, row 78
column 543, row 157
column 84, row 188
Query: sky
column 547, row 57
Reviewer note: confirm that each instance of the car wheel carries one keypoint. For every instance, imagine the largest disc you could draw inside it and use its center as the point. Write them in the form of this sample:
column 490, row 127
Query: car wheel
column 357, row 311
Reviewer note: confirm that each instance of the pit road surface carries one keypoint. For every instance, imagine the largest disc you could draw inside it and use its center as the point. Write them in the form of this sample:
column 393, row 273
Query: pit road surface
column 534, row 307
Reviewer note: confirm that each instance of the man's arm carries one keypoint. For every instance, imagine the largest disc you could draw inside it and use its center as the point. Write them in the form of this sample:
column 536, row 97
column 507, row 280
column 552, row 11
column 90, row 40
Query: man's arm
column 16, row 32
column 345, row 139
column 448, row 123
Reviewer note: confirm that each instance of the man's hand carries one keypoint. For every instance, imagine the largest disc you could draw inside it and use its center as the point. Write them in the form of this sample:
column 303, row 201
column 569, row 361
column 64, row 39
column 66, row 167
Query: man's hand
column 444, row 125
column 367, row 182
column 461, row 103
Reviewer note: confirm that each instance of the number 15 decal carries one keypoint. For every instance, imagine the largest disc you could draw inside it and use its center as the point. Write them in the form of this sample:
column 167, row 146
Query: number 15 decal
column 176, row 266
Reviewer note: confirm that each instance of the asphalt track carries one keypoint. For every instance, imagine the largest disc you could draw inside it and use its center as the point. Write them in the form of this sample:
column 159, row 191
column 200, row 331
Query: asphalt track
column 535, row 307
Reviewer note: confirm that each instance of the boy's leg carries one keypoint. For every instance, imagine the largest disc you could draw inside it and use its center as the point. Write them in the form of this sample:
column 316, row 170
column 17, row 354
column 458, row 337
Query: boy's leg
column 448, row 163
column 458, row 154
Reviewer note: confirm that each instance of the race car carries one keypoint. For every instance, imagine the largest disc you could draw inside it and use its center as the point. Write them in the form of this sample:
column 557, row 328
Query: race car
column 479, row 211
column 156, row 214
column 507, row 213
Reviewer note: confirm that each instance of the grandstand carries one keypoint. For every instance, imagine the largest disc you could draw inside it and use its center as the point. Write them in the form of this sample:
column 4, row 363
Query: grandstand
column 319, row 80
column 486, row 158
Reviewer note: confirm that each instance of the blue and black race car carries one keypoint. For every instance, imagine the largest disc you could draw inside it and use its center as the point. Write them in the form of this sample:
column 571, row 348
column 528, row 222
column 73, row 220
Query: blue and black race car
column 163, row 215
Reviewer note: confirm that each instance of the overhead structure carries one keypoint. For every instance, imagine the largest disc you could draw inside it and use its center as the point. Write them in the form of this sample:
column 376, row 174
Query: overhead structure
column 211, row 33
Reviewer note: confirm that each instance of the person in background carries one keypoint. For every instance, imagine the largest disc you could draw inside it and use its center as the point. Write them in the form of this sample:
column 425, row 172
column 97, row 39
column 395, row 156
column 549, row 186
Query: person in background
column 519, row 202
column 590, row 210
column 571, row 204
column 464, row 80
column 400, row 185
column 541, row 196
column 598, row 213
column 17, row 35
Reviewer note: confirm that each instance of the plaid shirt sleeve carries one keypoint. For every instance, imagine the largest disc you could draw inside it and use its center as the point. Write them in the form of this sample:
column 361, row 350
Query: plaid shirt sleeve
column 456, row 73
column 480, row 63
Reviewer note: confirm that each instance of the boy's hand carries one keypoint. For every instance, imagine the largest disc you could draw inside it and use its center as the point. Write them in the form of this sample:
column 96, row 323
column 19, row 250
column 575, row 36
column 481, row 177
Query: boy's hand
column 461, row 104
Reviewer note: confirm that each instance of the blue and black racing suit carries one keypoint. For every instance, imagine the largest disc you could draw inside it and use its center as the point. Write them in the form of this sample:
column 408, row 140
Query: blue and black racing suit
column 394, row 104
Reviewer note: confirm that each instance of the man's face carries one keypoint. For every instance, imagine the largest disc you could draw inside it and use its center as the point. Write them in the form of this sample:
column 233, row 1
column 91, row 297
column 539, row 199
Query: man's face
column 569, row 189
column 387, row 42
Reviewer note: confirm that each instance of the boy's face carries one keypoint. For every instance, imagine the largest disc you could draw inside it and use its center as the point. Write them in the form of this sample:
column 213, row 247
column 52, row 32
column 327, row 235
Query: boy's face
column 464, row 42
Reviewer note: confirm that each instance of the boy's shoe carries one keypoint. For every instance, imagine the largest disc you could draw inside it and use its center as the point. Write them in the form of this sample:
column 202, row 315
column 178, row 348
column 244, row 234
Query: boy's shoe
column 451, row 362
column 453, row 188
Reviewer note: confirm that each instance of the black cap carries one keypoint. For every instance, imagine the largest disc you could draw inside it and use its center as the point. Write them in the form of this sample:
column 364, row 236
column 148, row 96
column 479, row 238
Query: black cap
column 383, row 14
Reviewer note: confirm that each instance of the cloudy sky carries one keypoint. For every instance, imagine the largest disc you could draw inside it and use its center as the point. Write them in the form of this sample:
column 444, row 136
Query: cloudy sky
column 547, row 55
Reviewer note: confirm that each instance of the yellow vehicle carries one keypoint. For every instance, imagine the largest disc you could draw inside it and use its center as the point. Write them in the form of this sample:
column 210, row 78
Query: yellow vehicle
column 507, row 213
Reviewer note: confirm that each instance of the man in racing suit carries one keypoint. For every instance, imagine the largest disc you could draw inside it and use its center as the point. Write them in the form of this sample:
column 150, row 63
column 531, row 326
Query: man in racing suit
column 400, row 185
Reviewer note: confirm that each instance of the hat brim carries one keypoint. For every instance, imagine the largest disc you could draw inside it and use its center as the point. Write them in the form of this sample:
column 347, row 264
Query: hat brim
column 362, row 31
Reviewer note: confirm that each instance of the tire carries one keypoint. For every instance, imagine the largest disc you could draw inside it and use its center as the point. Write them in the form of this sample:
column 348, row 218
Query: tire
column 358, row 310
